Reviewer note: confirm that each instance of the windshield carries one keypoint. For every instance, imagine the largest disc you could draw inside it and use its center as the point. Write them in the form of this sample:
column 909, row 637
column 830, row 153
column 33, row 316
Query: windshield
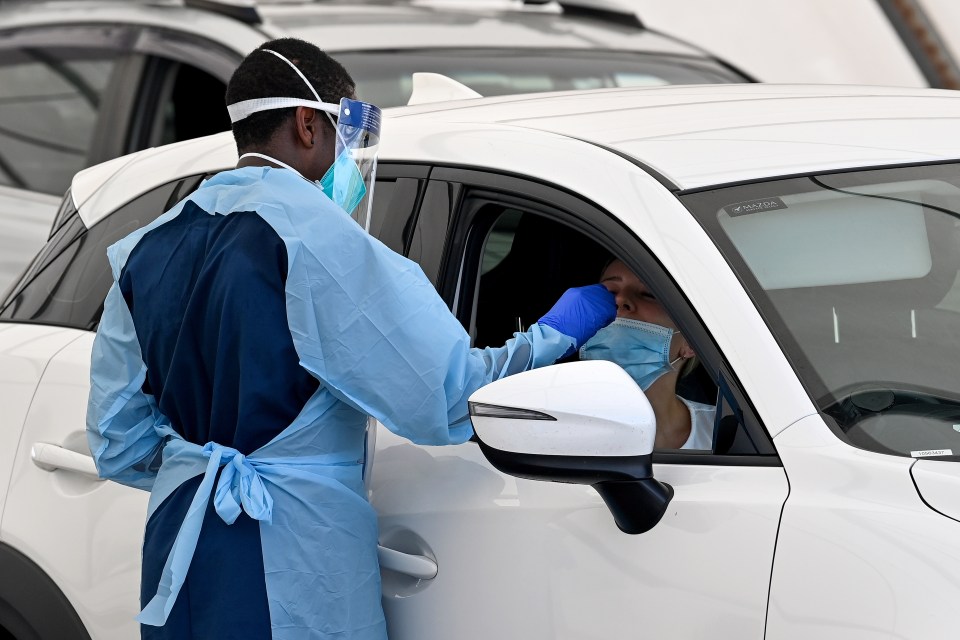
column 385, row 78
column 857, row 276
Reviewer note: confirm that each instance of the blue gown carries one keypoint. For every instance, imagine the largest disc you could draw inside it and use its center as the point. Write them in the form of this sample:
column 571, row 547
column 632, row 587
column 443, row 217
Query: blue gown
column 248, row 333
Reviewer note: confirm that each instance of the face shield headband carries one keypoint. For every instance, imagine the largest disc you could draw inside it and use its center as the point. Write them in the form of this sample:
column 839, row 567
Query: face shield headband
column 349, row 180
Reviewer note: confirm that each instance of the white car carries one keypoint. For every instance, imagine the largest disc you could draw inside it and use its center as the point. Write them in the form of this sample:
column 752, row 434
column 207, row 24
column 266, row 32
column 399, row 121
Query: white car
column 806, row 241
column 85, row 81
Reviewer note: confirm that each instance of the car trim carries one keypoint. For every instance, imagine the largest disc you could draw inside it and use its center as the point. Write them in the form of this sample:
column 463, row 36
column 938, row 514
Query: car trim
column 667, row 183
column 808, row 174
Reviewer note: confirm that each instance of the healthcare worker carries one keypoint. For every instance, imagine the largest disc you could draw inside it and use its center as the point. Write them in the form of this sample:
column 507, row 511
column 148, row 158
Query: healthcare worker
column 248, row 334
column 645, row 341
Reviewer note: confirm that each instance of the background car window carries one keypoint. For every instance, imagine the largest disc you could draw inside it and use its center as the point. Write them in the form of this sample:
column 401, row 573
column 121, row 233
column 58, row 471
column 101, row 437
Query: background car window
column 177, row 102
column 194, row 106
column 49, row 102
column 387, row 79
column 69, row 279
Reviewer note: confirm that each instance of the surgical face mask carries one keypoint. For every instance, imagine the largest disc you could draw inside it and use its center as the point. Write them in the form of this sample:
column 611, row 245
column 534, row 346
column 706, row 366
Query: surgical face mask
column 343, row 183
column 641, row 348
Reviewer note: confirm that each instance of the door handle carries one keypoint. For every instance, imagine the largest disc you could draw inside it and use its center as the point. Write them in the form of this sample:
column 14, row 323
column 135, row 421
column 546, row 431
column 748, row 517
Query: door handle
column 51, row 457
column 420, row 567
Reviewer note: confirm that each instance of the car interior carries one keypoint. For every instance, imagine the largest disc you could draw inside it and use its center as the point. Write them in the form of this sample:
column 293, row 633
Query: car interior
column 527, row 262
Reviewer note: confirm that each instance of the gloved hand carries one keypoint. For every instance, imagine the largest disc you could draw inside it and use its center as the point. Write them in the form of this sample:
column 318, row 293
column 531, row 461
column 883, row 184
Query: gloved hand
column 581, row 312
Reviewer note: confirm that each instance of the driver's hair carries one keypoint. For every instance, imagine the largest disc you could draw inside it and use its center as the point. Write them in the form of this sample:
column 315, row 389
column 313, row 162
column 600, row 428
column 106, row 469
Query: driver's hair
column 263, row 75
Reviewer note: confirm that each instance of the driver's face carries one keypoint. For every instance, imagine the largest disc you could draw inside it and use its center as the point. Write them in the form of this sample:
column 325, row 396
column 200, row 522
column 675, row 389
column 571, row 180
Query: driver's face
column 634, row 300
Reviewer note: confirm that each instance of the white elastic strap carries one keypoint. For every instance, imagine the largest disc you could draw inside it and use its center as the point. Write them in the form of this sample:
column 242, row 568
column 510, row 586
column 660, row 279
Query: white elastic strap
column 240, row 110
column 299, row 73
column 264, row 156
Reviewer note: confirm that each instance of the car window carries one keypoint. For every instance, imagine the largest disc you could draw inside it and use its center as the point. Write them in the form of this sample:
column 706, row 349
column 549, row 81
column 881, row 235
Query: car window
column 426, row 247
column 513, row 246
column 394, row 205
column 858, row 275
column 526, row 262
column 178, row 101
column 69, row 279
column 386, row 79
column 49, row 103
column 193, row 107
column 509, row 259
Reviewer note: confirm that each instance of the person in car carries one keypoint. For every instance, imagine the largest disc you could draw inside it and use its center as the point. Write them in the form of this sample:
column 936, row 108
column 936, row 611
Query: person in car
column 247, row 335
column 645, row 341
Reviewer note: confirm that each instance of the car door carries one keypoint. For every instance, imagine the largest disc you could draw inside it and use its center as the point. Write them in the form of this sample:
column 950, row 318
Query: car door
column 522, row 558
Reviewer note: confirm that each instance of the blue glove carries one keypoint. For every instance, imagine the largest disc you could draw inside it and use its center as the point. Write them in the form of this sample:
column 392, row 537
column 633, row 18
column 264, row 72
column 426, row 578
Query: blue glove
column 581, row 312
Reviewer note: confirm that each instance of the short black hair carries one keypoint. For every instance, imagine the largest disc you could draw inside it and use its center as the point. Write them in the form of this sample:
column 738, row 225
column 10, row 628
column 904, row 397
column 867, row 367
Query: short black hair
column 264, row 75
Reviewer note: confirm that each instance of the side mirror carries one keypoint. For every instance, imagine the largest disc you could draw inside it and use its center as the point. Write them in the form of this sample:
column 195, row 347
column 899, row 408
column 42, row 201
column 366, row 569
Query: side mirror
column 581, row 422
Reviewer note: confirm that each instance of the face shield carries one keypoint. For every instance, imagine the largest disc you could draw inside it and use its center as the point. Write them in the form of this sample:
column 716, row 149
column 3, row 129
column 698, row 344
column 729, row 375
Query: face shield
column 349, row 180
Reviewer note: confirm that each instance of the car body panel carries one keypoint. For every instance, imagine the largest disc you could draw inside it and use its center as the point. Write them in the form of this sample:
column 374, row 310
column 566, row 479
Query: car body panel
column 101, row 189
column 545, row 560
column 461, row 25
column 24, row 353
column 51, row 515
column 859, row 554
column 773, row 130
column 231, row 33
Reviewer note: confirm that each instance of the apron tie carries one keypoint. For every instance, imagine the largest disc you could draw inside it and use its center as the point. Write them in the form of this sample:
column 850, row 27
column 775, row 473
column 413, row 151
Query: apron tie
column 240, row 488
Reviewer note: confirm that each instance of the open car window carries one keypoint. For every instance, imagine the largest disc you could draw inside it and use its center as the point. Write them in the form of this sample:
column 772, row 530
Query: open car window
column 516, row 263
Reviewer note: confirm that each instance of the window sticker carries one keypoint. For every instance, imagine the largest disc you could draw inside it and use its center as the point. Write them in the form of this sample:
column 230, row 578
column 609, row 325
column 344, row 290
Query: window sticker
column 760, row 205
column 929, row 453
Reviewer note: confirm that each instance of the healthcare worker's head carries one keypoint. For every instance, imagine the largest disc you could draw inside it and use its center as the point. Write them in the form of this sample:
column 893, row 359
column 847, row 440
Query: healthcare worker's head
column 300, row 136
column 643, row 339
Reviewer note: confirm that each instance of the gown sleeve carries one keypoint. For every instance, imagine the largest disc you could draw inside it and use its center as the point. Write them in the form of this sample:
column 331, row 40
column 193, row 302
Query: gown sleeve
column 124, row 424
column 371, row 327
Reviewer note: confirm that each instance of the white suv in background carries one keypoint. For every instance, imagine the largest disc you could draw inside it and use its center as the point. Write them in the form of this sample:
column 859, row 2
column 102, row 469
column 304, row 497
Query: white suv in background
column 804, row 239
column 84, row 81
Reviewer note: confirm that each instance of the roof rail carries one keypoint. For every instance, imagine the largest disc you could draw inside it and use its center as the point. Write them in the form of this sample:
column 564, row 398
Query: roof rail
column 242, row 10
column 615, row 11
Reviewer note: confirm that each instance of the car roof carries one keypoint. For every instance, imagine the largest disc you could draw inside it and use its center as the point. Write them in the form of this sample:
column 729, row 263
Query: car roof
column 692, row 136
column 355, row 25
column 697, row 136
